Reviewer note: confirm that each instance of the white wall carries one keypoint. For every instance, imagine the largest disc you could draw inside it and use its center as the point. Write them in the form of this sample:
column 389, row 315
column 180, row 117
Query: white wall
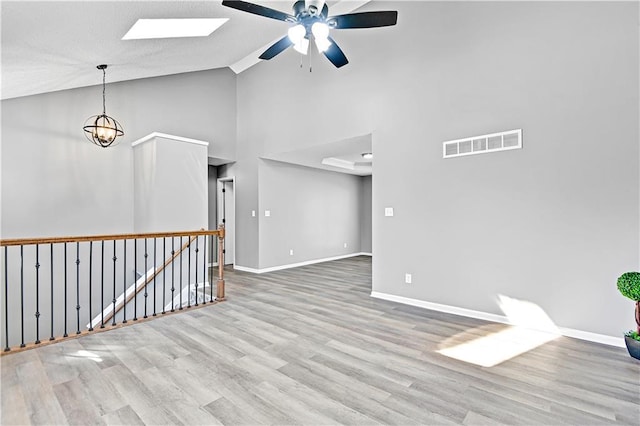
column 55, row 182
column 313, row 212
column 365, row 214
column 245, row 172
column 170, row 185
column 212, row 182
column 554, row 223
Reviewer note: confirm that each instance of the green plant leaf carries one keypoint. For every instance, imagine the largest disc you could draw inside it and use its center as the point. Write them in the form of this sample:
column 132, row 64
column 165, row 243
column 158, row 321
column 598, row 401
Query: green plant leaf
column 629, row 285
column 633, row 334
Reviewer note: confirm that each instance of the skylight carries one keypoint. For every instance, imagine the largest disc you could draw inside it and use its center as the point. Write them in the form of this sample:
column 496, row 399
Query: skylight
column 172, row 28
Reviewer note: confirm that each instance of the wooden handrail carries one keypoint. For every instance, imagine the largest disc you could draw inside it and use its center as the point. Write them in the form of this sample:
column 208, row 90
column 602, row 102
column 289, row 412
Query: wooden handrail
column 54, row 240
column 220, row 286
column 149, row 279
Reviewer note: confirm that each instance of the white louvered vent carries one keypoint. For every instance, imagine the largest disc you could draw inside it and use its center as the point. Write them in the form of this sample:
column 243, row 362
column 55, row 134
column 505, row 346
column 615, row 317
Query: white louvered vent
column 502, row 141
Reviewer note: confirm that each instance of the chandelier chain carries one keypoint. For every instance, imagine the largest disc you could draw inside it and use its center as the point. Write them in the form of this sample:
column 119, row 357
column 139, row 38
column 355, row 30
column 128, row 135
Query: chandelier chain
column 104, row 95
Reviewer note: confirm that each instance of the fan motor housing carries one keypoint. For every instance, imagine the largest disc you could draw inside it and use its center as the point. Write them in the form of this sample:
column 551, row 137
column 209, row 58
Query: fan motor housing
column 300, row 10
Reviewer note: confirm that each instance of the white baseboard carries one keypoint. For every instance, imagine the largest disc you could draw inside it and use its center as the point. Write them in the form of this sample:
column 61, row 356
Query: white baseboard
column 213, row 264
column 568, row 332
column 296, row 265
column 246, row 269
column 593, row 337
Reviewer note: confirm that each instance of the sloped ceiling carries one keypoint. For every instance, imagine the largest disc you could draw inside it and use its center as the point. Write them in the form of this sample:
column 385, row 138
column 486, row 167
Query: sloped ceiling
column 55, row 45
column 49, row 46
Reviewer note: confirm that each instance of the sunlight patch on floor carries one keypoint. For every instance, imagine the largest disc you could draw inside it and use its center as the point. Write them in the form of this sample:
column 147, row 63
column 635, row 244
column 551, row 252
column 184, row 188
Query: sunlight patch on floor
column 86, row 355
column 493, row 344
column 497, row 347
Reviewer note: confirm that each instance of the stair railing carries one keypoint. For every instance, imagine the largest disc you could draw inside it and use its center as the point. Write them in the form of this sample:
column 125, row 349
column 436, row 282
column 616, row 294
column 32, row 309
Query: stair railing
column 64, row 281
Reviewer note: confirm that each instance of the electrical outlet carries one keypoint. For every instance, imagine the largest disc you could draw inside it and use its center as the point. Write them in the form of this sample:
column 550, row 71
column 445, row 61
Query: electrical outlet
column 291, row 252
column 407, row 278
column 345, row 245
column 388, row 211
column 253, row 213
column 267, row 213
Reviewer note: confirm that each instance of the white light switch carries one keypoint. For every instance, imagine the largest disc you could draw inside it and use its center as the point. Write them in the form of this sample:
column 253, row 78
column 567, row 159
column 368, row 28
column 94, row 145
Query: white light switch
column 253, row 213
column 345, row 245
column 267, row 213
column 291, row 252
column 407, row 278
column 388, row 211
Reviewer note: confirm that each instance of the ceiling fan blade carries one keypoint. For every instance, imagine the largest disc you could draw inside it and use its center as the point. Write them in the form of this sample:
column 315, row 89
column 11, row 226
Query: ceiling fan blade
column 335, row 54
column 259, row 10
column 277, row 47
column 364, row 20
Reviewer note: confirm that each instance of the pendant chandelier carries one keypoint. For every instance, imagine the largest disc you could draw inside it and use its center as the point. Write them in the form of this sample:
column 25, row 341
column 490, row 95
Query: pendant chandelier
column 101, row 129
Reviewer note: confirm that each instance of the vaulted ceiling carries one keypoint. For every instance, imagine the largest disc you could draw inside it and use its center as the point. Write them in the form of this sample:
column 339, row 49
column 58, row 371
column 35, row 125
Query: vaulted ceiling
column 56, row 45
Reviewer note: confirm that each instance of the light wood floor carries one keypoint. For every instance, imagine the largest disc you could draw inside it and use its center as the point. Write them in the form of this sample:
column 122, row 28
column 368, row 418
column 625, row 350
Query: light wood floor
column 310, row 346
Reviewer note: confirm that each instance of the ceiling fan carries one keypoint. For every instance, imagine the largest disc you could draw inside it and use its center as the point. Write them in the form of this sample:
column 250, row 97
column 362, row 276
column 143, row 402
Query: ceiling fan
column 311, row 19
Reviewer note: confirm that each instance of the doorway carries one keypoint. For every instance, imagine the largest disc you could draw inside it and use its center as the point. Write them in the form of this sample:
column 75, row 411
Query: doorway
column 227, row 216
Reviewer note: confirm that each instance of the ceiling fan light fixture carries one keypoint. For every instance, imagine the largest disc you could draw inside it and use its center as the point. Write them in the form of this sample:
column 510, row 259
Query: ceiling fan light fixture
column 322, row 44
column 320, row 32
column 314, row 13
column 302, row 46
column 297, row 33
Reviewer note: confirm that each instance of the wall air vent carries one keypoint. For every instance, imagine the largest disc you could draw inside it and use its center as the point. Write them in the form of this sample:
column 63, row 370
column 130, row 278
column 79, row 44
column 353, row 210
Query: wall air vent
column 502, row 141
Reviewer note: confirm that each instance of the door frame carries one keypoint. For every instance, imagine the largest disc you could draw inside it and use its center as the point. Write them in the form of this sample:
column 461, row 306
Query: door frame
column 220, row 184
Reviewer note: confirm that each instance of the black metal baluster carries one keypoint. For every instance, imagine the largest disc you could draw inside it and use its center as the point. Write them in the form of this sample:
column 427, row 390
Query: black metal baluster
column 155, row 266
column 204, row 271
column 102, row 286
column 212, row 240
column 65, row 291
column 6, row 300
column 90, row 285
column 37, row 294
column 124, row 284
column 196, row 283
column 115, row 258
column 189, row 273
column 52, row 338
column 164, row 280
column 22, row 345
column 180, row 308
column 173, row 272
column 135, row 280
column 78, row 285
column 146, row 255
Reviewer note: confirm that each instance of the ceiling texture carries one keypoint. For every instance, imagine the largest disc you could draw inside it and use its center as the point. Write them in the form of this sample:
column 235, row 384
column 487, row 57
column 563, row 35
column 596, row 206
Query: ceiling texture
column 56, row 45
column 48, row 46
